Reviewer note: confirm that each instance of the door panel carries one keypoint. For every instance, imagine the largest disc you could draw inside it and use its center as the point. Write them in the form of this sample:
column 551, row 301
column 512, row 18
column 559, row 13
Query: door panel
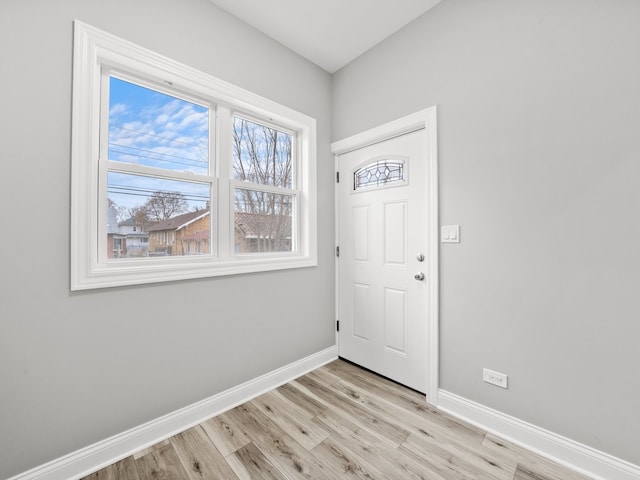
column 395, row 320
column 361, row 233
column 361, row 312
column 395, row 234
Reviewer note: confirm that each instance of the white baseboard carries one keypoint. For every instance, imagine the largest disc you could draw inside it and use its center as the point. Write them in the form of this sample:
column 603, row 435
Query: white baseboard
column 574, row 455
column 94, row 457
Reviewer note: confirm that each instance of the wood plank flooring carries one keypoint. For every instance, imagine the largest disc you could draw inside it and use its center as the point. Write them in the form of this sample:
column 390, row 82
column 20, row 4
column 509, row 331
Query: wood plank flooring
column 339, row 421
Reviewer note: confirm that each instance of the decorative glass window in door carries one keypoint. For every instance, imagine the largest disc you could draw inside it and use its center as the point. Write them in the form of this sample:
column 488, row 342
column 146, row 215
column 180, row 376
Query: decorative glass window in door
column 379, row 173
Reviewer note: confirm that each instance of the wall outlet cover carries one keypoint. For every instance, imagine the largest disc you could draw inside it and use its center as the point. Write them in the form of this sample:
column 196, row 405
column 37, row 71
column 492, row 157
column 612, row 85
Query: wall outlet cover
column 495, row 378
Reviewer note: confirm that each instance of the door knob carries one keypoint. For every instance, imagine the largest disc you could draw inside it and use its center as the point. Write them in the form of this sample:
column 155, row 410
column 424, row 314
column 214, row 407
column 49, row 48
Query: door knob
column 419, row 276
column 420, row 257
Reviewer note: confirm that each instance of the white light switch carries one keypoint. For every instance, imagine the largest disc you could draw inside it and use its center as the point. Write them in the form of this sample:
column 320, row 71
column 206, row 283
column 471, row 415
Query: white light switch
column 450, row 233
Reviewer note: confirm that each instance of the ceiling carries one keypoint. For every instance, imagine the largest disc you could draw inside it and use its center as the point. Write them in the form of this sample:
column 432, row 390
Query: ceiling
column 329, row 33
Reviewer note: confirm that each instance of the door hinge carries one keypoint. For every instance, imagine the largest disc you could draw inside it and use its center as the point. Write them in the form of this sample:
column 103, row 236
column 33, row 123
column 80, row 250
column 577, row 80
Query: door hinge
column 337, row 251
column 337, row 177
column 337, row 325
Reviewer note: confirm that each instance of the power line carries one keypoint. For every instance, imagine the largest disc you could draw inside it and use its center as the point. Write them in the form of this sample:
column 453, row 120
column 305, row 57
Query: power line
column 117, row 189
column 156, row 136
column 194, row 163
column 206, row 148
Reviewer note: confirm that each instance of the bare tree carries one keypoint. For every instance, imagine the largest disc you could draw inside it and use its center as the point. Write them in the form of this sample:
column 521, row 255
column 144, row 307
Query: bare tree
column 139, row 213
column 121, row 212
column 164, row 205
column 262, row 156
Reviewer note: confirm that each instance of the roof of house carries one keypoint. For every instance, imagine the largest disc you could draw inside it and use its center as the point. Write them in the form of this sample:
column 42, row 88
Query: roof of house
column 179, row 221
column 252, row 225
column 260, row 225
column 134, row 221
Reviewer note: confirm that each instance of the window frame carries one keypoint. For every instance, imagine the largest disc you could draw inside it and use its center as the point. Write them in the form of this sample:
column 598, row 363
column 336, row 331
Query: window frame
column 293, row 191
column 106, row 165
column 95, row 51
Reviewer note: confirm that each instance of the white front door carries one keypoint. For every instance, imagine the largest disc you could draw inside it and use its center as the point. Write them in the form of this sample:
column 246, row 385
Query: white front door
column 384, row 263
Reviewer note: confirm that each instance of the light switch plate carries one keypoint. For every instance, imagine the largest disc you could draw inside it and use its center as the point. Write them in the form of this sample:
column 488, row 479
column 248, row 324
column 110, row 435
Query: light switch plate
column 450, row 234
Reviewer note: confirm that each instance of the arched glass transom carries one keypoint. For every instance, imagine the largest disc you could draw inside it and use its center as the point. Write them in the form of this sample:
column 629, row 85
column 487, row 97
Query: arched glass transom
column 378, row 173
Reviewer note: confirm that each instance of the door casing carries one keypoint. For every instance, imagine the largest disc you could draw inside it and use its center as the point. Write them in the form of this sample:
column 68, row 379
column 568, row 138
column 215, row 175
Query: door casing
column 426, row 119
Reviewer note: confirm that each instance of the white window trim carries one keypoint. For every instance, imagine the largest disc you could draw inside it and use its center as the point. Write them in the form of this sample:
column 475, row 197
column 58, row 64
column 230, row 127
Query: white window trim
column 94, row 48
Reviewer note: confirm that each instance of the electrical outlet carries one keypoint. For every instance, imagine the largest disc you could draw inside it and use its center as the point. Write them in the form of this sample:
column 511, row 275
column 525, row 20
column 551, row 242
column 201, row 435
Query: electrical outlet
column 494, row 378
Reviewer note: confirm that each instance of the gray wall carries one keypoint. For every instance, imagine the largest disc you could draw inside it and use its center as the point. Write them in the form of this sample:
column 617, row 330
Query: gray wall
column 539, row 150
column 78, row 368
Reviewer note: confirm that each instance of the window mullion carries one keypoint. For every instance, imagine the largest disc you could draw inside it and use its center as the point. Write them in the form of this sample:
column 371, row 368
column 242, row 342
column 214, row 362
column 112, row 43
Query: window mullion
column 224, row 200
column 214, row 160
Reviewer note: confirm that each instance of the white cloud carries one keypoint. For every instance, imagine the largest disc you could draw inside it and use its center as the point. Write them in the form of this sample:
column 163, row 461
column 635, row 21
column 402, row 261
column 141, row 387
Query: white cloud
column 117, row 109
column 171, row 135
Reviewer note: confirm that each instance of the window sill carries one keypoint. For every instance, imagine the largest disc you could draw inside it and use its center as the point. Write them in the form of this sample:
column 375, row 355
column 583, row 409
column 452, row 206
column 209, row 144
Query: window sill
column 135, row 272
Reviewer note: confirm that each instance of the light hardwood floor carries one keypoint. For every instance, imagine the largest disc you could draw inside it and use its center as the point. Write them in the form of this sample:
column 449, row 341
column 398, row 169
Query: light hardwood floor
column 339, row 421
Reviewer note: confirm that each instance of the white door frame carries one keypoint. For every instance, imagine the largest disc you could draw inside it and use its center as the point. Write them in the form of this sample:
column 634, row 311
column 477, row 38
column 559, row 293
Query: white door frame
column 426, row 119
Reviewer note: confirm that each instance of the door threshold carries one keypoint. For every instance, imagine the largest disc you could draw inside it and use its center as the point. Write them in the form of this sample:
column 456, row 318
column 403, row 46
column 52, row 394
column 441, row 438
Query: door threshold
column 381, row 376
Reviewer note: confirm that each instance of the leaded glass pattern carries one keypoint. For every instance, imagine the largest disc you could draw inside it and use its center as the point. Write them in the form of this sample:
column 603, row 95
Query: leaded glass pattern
column 379, row 172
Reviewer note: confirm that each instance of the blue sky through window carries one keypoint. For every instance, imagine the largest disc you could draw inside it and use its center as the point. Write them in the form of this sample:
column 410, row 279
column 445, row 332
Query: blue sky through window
column 129, row 191
column 153, row 129
column 150, row 128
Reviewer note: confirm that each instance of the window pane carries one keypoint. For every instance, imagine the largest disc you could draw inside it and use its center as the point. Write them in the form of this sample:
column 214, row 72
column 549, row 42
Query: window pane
column 150, row 217
column 157, row 130
column 263, row 222
column 379, row 172
column 261, row 154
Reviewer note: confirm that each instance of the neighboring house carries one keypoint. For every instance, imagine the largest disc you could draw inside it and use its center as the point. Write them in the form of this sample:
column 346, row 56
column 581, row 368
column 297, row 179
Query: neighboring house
column 186, row 234
column 126, row 239
column 189, row 234
column 259, row 232
column 135, row 231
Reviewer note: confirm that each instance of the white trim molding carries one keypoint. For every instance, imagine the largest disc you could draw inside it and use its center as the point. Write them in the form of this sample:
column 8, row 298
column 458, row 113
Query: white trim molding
column 395, row 128
column 424, row 119
column 101, row 454
column 562, row 450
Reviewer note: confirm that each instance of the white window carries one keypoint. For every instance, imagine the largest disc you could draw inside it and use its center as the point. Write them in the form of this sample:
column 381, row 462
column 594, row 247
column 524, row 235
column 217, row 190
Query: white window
column 264, row 187
column 204, row 167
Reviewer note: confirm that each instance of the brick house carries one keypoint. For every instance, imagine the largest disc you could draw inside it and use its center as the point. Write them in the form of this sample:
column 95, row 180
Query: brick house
column 189, row 234
column 186, row 234
column 257, row 232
